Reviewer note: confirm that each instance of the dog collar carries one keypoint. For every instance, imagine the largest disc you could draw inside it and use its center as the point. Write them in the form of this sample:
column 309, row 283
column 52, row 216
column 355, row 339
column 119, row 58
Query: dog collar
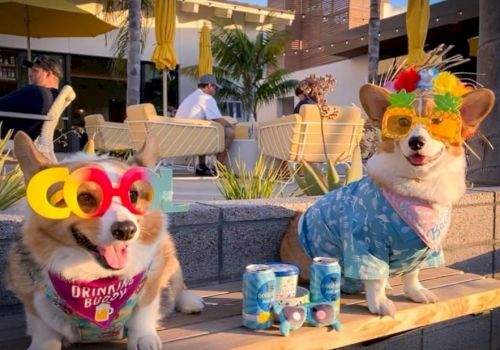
column 100, row 301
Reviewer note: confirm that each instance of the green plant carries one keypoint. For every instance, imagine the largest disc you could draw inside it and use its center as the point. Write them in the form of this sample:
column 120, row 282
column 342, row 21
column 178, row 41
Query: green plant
column 11, row 181
column 262, row 181
column 248, row 68
column 313, row 180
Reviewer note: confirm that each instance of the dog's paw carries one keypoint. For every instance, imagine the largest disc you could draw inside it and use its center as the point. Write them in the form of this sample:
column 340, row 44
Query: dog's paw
column 382, row 306
column 189, row 303
column 421, row 295
column 146, row 342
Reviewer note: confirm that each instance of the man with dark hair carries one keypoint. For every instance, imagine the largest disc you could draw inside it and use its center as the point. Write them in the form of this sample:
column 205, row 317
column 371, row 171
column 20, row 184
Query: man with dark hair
column 37, row 98
column 303, row 99
column 201, row 105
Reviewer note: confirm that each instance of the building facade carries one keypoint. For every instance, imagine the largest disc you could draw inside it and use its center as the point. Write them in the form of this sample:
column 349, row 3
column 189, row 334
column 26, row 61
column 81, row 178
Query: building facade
column 88, row 62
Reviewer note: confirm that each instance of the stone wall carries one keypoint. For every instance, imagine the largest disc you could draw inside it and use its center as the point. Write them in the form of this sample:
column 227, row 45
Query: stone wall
column 217, row 239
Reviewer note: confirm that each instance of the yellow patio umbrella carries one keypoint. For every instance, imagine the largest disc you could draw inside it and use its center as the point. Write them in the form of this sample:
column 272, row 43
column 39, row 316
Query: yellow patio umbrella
column 164, row 54
column 205, row 52
column 48, row 19
column 417, row 23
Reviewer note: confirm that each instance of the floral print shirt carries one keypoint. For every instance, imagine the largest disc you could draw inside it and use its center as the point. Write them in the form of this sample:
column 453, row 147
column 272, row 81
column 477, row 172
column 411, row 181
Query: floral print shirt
column 372, row 236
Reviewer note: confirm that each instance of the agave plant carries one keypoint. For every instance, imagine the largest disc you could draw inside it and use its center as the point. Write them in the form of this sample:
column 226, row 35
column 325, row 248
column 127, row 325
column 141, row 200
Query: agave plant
column 11, row 181
column 262, row 181
column 314, row 181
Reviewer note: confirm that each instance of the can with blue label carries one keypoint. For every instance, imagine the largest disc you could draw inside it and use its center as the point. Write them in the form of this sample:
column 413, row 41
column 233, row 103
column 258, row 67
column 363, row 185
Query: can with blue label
column 325, row 281
column 259, row 284
column 287, row 276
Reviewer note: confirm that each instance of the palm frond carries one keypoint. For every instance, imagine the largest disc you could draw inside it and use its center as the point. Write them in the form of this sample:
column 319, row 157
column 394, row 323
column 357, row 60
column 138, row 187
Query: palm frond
column 243, row 65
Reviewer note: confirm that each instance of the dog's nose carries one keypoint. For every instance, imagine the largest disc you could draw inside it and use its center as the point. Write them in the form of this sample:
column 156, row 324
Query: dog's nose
column 416, row 142
column 123, row 230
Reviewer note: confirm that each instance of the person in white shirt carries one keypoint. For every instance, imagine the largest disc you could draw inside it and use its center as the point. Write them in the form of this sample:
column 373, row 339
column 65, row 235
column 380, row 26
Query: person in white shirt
column 201, row 105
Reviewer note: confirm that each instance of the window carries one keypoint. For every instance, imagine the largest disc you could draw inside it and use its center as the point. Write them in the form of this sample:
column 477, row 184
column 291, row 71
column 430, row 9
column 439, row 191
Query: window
column 235, row 109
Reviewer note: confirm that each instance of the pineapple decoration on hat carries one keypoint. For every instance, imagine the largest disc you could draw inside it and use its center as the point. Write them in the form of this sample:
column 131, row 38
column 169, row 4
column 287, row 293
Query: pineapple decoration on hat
column 435, row 86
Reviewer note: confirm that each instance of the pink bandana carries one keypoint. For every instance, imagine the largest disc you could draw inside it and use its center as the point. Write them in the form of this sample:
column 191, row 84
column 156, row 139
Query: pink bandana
column 430, row 221
column 98, row 301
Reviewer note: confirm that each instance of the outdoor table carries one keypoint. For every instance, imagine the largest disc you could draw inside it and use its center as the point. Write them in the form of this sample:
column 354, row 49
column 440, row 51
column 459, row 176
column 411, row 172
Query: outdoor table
column 219, row 326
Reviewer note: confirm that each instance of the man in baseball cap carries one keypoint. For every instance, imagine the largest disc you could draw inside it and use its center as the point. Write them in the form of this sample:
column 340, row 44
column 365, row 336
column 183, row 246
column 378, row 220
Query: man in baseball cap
column 45, row 74
column 207, row 79
column 201, row 105
column 48, row 64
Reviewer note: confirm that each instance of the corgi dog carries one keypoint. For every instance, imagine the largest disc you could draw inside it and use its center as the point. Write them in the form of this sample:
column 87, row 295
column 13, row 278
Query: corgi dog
column 99, row 278
column 392, row 221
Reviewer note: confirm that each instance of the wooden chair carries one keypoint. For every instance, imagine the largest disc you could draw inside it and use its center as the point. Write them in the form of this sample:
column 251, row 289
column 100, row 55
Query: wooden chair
column 45, row 142
column 299, row 136
column 108, row 136
column 177, row 137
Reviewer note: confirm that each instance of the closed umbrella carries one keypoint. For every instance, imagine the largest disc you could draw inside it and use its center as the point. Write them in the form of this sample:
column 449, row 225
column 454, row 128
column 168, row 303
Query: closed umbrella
column 164, row 54
column 417, row 23
column 205, row 52
column 48, row 19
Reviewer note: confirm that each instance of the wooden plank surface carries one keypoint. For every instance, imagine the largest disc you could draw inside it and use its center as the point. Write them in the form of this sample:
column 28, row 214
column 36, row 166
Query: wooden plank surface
column 219, row 327
column 358, row 324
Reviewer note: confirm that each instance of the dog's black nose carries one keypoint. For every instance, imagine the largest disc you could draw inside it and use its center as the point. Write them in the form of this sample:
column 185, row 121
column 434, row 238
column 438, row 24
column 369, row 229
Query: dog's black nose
column 123, row 230
column 416, row 142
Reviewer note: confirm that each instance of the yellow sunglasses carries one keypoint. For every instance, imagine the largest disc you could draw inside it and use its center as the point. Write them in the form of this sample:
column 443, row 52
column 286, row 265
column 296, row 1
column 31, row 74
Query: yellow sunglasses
column 444, row 126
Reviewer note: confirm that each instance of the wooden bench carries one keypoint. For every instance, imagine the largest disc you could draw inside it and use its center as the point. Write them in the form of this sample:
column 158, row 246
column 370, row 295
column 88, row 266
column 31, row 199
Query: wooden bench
column 219, row 325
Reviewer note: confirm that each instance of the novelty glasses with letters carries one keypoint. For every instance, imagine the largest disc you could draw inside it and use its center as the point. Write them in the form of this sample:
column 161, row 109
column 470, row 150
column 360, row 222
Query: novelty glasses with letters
column 156, row 192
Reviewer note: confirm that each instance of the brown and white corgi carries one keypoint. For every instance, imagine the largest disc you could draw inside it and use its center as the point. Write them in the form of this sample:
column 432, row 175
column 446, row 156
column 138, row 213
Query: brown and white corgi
column 393, row 220
column 99, row 278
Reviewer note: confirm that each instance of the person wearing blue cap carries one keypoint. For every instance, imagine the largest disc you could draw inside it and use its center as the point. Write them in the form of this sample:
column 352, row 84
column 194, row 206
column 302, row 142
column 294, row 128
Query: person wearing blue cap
column 201, row 104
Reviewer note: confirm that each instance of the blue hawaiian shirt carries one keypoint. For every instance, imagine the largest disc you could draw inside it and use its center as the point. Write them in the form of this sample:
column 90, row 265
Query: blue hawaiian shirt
column 357, row 225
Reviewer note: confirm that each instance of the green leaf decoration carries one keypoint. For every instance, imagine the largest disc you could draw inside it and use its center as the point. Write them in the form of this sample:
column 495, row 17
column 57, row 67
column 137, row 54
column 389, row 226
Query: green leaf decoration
column 447, row 102
column 402, row 99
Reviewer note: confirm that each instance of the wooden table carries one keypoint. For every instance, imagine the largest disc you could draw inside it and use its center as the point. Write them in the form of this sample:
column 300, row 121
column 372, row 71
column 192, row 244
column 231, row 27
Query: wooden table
column 219, row 325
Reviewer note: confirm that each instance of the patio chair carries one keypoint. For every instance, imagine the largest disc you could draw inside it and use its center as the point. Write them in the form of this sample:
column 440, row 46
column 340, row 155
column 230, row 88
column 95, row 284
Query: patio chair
column 45, row 142
column 177, row 137
column 299, row 137
column 108, row 136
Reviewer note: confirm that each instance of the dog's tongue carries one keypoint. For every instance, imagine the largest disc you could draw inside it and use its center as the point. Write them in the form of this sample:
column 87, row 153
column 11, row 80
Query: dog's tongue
column 115, row 255
column 417, row 159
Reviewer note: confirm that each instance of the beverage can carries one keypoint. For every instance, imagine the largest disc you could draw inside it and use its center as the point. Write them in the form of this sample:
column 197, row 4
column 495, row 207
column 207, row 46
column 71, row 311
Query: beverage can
column 287, row 276
column 259, row 283
column 325, row 281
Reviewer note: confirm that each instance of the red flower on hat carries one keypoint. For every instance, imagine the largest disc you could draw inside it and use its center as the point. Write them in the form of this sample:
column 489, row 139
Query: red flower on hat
column 407, row 80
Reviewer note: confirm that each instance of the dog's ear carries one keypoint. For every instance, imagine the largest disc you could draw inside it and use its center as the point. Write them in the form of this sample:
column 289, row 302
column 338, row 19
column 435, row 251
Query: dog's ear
column 148, row 155
column 375, row 101
column 29, row 158
column 476, row 105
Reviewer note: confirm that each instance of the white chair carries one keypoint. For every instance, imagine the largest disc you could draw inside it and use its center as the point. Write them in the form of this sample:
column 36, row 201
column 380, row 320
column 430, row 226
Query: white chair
column 108, row 136
column 45, row 142
column 301, row 137
column 177, row 137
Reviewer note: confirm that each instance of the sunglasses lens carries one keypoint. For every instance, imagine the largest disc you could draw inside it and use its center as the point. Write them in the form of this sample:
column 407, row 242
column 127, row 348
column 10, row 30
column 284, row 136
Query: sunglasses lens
column 323, row 313
column 295, row 316
column 446, row 128
column 89, row 198
column 140, row 195
column 397, row 125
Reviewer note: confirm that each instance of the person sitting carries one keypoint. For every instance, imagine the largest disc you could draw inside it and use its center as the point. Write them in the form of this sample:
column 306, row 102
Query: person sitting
column 201, row 105
column 36, row 98
column 303, row 99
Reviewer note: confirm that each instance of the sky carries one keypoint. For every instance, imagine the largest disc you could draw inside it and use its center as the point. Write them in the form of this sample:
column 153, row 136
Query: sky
column 396, row 3
column 254, row 2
